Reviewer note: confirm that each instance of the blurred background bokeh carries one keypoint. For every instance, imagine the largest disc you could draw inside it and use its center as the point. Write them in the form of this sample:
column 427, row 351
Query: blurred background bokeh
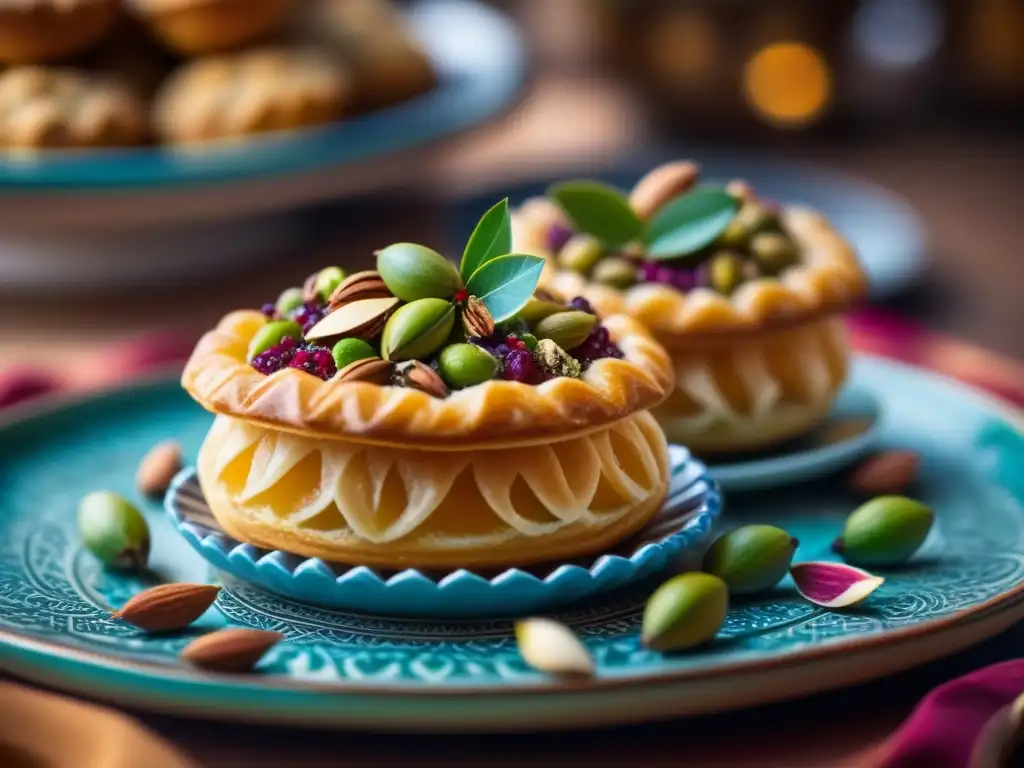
column 900, row 118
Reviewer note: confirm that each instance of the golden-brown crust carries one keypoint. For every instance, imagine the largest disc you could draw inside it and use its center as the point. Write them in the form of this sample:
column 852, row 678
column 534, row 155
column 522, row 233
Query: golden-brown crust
column 195, row 27
column 47, row 30
column 266, row 89
column 57, row 108
column 496, row 413
column 828, row 281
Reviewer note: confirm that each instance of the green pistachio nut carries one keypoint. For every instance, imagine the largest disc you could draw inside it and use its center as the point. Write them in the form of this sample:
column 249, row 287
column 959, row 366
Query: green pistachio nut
column 725, row 272
column 417, row 330
column 413, row 272
column 773, row 252
column 580, row 254
column 271, row 334
column 113, row 530
column 348, row 351
column 465, row 365
column 537, row 308
column 529, row 340
column 615, row 272
column 751, row 559
column 887, row 530
column 684, row 612
column 289, row 300
column 752, row 218
column 327, row 280
column 567, row 329
column 555, row 361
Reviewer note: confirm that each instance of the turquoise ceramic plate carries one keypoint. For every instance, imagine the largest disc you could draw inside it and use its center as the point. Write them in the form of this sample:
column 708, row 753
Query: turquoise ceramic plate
column 356, row 670
column 682, row 528
column 852, row 430
column 481, row 64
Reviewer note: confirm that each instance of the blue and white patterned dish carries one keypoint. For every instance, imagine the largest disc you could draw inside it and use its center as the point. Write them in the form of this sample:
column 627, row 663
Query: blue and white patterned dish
column 681, row 529
column 853, row 429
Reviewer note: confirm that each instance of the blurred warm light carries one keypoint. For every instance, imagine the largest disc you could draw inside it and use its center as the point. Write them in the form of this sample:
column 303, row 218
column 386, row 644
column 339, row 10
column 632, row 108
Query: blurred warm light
column 682, row 49
column 997, row 41
column 788, row 84
column 898, row 34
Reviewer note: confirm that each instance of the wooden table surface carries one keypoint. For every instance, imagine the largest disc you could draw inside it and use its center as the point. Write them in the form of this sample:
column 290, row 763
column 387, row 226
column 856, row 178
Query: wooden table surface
column 967, row 190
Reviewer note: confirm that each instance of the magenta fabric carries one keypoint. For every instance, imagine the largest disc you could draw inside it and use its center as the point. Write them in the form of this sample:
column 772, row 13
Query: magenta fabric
column 942, row 729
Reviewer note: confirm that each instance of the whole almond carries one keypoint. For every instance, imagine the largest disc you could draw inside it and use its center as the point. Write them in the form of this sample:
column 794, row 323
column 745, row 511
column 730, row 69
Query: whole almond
column 158, row 468
column 168, row 607
column 361, row 285
column 421, row 376
column 661, row 185
column 372, row 370
column 476, row 318
column 885, row 473
column 230, row 650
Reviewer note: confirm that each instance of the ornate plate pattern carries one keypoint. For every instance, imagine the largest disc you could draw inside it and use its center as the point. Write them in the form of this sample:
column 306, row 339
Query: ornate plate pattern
column 345, row 668
column 682, row 528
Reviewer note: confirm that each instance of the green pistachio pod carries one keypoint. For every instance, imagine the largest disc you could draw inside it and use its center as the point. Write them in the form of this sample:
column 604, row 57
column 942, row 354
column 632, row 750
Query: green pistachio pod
column 348, row 351
column 289, row 300
column 113, row 530
column 555, row 361
column 887, row 530
column 684, row 612
column 271, row 334
column 567, row 329
column 327, row 280
column 751, row 559
column 580, row 254
column 464, row 365
column 529, row 340
column 752, row 218
column 773, row 252
column 616, row 272
column 413, row 272
column 417, row 330
column 537, row 309
column 725, row 272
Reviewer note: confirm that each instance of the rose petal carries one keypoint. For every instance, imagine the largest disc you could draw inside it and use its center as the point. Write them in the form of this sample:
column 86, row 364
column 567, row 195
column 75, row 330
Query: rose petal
column 551, row 647
column 833, row 585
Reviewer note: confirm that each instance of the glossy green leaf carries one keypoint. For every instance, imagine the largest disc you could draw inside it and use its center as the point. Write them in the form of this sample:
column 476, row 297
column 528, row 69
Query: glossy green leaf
column 599, row 210
column 506, row 283
column 491, row 238
column 689, row 223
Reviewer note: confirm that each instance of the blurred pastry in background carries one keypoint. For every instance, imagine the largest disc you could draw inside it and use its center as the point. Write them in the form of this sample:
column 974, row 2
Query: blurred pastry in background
column 235, row 95
column 62, row 108
column 196, row 27
column 371, row 37
column 37, row 31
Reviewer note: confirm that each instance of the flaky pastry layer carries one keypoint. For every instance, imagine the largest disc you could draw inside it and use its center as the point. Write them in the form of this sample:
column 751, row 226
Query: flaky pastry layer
column 828, row 280
column 494, row 414
column 394, row 507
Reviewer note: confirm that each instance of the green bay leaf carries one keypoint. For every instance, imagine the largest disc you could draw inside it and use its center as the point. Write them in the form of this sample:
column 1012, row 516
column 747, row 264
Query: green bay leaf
column 599, row 210
column 491, row 238
column 506, row 283
column 690, row 222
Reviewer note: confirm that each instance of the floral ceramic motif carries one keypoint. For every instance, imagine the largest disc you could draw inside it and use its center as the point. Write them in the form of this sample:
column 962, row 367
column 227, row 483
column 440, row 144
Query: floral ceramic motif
column 55, row 598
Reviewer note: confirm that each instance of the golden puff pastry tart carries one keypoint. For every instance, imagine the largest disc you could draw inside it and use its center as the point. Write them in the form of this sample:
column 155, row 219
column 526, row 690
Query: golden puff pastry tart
column 41, row 31
column 232, row 96
column 746, row 295
column 49, row 108
column 197, row 27
column 433, row 416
